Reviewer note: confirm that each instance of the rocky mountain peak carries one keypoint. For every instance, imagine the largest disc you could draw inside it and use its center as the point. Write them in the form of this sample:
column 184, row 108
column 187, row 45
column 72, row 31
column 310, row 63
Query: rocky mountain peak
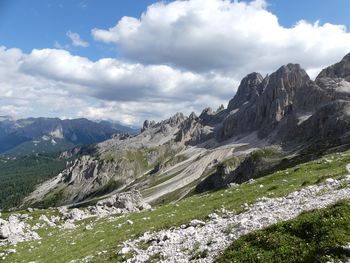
column 192, row 116
column 221, row 108
column 246, row 90
column 205, row 113
column 290, row 75
column 147, row 124
column 176, row 119
column 262, row 103
column 338, row 70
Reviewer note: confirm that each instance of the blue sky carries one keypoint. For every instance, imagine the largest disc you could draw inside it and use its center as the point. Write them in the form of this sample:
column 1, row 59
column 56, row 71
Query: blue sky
column 38, row 24
column 81, row 58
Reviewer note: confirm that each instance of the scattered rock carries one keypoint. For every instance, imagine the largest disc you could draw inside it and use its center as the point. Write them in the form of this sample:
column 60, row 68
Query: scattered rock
column 88, row 227
column 131, row 201
column 196, row 223
column 125, row 250
column 251, row 181
column 11, row 251
column 47, row 221
column 216, row 234
column 129, row 222
column 13, row 231
column 76, row 214
column 233, row 185
column 4, row 229
column 68, row 225
column 348, row 168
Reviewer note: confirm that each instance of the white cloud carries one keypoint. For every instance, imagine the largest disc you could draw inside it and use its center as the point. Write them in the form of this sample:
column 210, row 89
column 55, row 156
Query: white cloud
column 112, row 79
column 178, row 56
column 76, row 40
column 13, row 110
column 56, row 82
column 58, row 45
column 224, row 36
column 32, row 95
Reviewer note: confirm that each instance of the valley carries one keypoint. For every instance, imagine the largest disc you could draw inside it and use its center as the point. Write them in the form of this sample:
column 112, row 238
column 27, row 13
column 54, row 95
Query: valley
column 280, row 148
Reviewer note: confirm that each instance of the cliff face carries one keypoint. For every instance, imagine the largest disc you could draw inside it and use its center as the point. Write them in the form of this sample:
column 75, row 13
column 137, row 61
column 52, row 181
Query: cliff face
column 281, row 104
column 266, row 103
column 338, row 70
column 285, row 108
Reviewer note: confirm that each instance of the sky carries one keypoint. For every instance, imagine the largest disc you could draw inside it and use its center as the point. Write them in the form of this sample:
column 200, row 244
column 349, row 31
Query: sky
column 140, row 59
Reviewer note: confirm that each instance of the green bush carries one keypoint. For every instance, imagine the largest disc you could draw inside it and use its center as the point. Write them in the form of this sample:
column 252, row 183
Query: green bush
column 315, row 236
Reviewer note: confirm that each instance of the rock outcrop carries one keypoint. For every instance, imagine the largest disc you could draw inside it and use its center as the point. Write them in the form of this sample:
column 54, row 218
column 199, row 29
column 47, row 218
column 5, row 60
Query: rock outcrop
column 338, row 70
column 122, row 203
column 15, row 230
column 130, row 201
column 247, row 90
column 210, row 238
column 275, row 106
column 285, row 108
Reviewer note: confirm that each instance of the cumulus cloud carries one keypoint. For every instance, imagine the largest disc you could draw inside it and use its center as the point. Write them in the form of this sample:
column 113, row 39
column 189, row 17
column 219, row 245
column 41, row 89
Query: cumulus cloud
column 224, row 36
column 112, row 79
column 107, row 88
column 26, row 94
column 178, row 56
column 76, row 40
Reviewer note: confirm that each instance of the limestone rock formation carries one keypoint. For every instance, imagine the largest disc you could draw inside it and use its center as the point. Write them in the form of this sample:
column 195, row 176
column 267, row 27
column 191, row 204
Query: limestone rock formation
column 247, row 90
column 131, row 201
column 285, row 108
column 338, row 70
column 15, row 230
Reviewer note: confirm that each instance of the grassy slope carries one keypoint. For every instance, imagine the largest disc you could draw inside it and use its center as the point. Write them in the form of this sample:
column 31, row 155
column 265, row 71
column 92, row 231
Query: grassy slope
column 316, row 236
column 107, row 236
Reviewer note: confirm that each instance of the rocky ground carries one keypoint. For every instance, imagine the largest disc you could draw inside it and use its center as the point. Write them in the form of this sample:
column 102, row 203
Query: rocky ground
column 17, row 228
column 202, row 241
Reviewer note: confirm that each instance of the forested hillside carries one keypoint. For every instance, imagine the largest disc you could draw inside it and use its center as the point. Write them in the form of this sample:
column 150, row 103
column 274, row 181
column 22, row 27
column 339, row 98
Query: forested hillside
column 19, row 175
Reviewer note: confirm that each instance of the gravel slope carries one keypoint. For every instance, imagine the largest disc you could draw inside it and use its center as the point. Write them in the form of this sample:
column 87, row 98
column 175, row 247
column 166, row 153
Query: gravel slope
column 203, row 241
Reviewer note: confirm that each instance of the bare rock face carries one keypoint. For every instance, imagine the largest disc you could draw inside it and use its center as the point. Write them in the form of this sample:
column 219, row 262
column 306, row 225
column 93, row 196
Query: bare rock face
column 147, row 124
column 15, row 230
column 113, row 164
column 335, row 80
column 286, row 108
column 330, row 121
column 194, row 131
column 247, row 90
column 4, row 229
column 338, row 70
column 131, row 201
column 85, row 177
column 277, row 106
column 264, row 103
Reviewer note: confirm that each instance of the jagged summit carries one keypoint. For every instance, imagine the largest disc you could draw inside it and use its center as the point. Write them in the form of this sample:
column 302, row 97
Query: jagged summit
column 288, row 76
column 247, row 89
column 338, row 70
column 261, row 103
column 285, row 108
column 254, row 85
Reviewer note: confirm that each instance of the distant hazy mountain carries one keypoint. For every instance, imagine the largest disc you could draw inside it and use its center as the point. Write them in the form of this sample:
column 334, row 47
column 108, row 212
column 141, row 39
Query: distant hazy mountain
column 30, row 135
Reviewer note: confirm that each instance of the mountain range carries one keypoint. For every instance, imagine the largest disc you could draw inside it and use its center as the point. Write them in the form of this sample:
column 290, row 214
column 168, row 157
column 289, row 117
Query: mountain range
column 265, row 179
column 271, row 122
column 39, row 135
